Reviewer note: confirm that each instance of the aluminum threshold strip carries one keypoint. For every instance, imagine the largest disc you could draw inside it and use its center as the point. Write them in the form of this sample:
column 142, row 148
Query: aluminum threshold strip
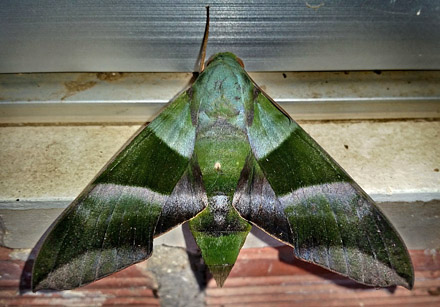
column 138, row 97
column 151, row 35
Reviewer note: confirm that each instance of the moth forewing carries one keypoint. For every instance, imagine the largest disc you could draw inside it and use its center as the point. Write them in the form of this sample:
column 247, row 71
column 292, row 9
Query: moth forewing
column 111, row 225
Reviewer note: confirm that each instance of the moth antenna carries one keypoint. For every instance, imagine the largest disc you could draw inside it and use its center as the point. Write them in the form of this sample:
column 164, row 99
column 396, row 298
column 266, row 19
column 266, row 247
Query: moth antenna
column 205, row 42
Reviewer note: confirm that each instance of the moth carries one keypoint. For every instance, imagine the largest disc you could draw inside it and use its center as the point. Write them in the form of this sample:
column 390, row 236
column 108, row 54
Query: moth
column 224, row 157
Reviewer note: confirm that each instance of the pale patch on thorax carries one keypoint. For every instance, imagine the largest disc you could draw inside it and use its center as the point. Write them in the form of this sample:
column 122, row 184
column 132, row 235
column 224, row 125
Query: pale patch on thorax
column 217, row 166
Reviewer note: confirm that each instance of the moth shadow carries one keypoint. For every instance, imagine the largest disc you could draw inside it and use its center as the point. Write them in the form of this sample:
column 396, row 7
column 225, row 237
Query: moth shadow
column 25, row 285
column 286, row 256
column 197, row 265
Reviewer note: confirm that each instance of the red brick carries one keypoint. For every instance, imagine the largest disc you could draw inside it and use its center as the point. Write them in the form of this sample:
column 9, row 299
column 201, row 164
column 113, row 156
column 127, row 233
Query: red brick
column 272, row 277
column 291, row 301
column 124, row 291
column 129, row 287
column 10, row 269
column 4, row 253
column 124, row 301
column 261, row 277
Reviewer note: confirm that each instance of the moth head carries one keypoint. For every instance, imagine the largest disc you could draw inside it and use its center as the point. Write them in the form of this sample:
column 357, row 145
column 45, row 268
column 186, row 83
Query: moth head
column 225, row 57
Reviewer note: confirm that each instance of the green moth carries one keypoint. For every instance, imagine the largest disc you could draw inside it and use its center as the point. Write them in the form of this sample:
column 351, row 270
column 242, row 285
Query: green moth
column 222, row 156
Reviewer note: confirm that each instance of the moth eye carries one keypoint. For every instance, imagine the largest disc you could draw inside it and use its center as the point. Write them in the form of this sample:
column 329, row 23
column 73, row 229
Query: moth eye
column 240, row 62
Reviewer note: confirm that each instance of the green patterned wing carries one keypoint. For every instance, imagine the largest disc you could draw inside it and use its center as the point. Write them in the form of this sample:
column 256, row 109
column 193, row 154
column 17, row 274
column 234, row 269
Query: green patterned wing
column 291, row 188
column 151, row 186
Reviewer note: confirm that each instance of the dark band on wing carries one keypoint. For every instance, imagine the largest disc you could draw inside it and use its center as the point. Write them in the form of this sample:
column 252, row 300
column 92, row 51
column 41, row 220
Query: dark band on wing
column 186, row 201
column 256, row 202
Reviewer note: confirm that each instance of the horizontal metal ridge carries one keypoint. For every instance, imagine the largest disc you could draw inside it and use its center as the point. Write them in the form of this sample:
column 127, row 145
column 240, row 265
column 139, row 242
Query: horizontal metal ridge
column 138, row 97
